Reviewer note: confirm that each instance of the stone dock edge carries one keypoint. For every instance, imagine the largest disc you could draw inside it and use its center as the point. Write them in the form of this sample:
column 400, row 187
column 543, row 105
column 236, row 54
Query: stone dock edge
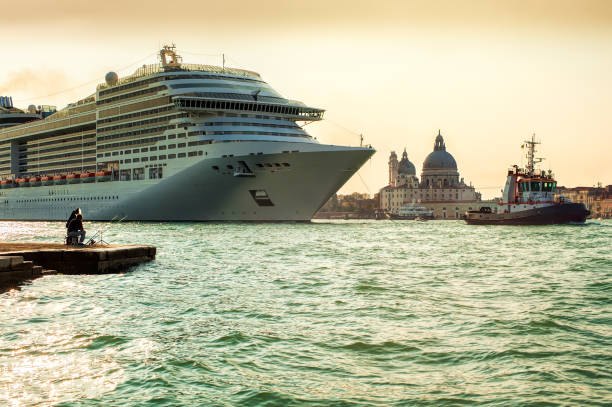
column 21, row 262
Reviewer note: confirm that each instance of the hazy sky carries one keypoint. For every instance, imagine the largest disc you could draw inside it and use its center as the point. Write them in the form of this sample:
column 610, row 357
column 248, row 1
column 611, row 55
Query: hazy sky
column 487, row 73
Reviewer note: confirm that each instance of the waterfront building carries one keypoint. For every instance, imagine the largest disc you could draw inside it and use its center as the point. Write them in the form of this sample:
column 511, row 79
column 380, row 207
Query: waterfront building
column 440, row 187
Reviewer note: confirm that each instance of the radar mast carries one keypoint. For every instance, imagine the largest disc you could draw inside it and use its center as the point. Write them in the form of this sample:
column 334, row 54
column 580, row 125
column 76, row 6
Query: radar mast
column 531, row 158
column 169, row 58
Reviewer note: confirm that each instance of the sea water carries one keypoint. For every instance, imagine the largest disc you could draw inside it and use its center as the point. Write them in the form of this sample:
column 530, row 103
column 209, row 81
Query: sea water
column 331, row 313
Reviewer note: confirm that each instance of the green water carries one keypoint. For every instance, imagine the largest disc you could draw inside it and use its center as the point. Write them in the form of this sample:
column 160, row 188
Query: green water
column 328, row 314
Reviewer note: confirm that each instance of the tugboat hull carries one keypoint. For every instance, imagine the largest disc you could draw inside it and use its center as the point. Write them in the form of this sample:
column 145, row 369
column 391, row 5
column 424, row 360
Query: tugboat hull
column 549, row 215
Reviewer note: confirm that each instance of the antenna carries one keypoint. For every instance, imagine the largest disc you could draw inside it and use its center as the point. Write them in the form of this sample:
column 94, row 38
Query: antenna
column 361, row 140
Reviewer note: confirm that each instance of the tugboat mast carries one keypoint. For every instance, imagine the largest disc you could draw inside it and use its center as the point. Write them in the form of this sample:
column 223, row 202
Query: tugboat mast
column 531, row 158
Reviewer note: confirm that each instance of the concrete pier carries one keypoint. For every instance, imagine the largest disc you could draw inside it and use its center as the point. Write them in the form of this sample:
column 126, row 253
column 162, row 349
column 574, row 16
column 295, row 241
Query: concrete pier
column 20, row 262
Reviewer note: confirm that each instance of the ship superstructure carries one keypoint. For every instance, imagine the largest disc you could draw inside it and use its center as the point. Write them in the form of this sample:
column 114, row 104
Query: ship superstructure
column 11, row 116
column 529, row 198
column 174, row 141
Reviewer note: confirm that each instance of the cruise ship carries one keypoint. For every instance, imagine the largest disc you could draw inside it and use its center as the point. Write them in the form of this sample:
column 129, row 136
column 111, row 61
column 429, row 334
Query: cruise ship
column 171, row 142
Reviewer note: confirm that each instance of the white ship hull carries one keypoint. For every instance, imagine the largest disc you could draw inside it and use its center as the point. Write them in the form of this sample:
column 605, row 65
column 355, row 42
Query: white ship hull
column 192, row 190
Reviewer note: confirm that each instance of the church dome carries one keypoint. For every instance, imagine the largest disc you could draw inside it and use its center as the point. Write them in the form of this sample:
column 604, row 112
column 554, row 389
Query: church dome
column 405, row 166
column 439, row 159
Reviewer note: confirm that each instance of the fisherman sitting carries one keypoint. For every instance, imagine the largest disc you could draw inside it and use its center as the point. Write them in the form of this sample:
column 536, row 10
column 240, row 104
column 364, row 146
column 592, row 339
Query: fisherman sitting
column 75, row 228
column 72, row 216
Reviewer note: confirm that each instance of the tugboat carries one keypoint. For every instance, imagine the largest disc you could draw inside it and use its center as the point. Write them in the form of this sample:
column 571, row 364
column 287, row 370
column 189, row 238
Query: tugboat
column 529, row 199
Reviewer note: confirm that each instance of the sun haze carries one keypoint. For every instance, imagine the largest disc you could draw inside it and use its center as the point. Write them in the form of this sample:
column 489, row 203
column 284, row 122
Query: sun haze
column 488, row 74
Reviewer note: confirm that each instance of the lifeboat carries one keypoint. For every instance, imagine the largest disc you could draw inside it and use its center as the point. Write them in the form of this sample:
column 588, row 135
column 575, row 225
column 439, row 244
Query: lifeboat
column 59, row 179
column 22, row 182
column 103, row 176
column 73, row 178
column 87, row 177
column 35, row 182
column 47, row 180
column 6, row 183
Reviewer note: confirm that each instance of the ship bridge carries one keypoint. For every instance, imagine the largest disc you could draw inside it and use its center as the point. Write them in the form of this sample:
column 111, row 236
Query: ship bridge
column 214, row 105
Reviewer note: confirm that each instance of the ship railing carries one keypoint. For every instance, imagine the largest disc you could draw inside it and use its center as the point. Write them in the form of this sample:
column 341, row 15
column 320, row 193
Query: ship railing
column 152, row 69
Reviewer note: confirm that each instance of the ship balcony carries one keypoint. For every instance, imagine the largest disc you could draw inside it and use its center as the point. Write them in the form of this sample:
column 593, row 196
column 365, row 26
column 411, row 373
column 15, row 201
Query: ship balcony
column 293, row 112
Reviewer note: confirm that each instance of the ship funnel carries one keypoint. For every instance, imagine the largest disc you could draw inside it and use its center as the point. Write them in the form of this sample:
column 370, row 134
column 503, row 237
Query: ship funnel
column 6, row 102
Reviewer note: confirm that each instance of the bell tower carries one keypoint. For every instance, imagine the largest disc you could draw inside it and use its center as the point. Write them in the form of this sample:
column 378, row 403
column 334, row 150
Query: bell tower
column 393, row 167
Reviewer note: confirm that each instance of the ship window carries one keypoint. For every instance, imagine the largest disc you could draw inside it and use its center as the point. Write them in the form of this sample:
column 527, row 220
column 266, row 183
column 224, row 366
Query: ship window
column 286, row 165
column 171, row 156
column 171, row 136
column 181, row 145
column 155, row 173
column 162, row 147
column 138, row 173
column 136, row 150
column 144, row 150
column 153, row 149
column 106, row 154
column 535, row 185
column 172, row 146
column 215, row 167
column 124, row 175
column 193, row 153
column 153, row 158
column 200, row 152
column 181, row 155
column 162, row 157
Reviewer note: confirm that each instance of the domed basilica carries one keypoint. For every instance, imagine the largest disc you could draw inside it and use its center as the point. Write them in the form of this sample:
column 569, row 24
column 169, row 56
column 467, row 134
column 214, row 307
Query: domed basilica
column 439, row 188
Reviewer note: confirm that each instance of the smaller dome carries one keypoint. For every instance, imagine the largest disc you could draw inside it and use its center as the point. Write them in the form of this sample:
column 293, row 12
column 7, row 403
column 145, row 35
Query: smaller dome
column 32, row 109
column 405, row 166
column 111, row 78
